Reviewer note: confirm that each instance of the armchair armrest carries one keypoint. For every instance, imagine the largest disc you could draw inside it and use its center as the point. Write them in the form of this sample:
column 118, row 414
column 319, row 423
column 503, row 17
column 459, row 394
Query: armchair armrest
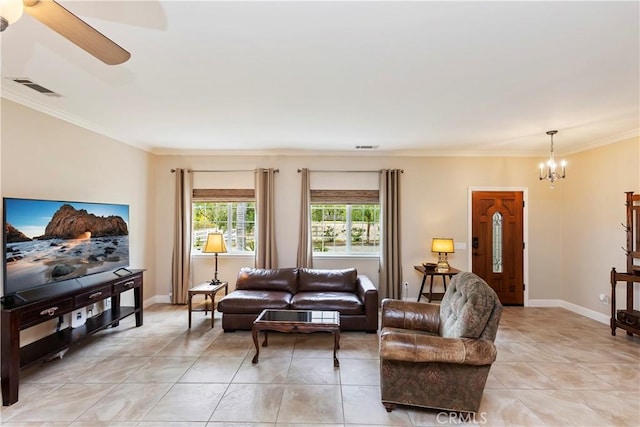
column 410, row 315
column 410, row 346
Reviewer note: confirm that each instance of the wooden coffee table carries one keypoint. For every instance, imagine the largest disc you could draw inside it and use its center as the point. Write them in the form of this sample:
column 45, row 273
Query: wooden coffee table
column 304, row 321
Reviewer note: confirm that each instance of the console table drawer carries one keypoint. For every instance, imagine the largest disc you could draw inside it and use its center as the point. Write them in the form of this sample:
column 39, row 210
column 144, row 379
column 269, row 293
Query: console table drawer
column 43, row 312
column 129, row 283
column 93, row 296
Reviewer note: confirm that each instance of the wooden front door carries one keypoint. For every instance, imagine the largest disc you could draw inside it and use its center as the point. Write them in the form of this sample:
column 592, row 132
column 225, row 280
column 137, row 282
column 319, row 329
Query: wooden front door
column 497, row 242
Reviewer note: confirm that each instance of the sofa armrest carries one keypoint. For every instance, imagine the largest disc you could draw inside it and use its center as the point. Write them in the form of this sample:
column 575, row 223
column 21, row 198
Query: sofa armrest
column 410, row 315
column 408, row 346
column 368, row 294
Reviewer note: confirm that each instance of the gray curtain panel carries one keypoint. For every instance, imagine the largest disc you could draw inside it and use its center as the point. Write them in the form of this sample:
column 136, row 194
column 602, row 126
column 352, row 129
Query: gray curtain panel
column 265, row 251
column 390, row 256
column 305, row 246
column 181, row 267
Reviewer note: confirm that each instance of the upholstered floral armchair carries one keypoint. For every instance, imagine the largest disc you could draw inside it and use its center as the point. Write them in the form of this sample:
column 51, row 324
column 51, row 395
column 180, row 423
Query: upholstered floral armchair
column 439, row 355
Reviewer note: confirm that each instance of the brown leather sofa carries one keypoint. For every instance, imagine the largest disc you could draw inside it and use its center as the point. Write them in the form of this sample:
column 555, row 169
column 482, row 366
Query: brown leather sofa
column 354, row 296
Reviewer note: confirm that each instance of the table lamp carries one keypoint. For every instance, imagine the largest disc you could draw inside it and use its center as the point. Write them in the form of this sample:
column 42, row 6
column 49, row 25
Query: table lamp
column 443, row 246
column 215, row 245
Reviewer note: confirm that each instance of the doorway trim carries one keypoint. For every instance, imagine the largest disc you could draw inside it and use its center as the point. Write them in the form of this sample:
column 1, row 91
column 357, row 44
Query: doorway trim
column 525, row 231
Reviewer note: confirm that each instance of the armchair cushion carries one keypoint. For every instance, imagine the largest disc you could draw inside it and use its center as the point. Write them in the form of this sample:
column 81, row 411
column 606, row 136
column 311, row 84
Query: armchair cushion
column 466, row 307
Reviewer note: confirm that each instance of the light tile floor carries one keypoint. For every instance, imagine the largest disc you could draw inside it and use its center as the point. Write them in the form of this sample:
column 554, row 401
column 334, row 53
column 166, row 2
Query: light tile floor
column 554, row 368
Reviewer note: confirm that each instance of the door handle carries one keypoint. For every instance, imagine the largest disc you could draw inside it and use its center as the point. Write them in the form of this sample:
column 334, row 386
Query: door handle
column 475, row 244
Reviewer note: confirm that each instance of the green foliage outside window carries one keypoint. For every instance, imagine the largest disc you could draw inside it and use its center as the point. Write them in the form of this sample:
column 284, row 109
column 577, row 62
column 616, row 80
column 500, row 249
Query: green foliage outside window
column 345, row 229
column 236, row 220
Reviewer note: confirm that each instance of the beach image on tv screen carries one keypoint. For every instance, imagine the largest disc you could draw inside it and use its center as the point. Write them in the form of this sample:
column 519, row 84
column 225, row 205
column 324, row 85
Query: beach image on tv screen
column 48, row 241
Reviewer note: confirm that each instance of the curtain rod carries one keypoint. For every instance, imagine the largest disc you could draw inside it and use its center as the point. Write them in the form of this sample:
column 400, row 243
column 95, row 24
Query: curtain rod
column 227, row 170
column 347, row 171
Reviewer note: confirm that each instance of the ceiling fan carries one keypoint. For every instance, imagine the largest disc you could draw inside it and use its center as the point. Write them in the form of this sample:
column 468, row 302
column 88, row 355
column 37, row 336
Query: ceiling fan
column 65, row 23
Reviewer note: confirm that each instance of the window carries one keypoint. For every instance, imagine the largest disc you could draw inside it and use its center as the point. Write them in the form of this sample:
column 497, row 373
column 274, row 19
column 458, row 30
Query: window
column 497, row 242
column 345, row 229
column 345, row 222
column 230, row 212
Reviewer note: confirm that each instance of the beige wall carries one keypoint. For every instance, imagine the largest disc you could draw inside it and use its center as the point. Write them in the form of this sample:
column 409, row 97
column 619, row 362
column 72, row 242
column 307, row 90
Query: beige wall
column 574, row 230
column 434, row 203
column 46, row 158
column 592, row 210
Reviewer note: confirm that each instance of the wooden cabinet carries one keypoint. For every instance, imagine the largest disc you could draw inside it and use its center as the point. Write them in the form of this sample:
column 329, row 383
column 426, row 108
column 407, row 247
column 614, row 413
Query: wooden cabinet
column 51, row 303
column 628, row 318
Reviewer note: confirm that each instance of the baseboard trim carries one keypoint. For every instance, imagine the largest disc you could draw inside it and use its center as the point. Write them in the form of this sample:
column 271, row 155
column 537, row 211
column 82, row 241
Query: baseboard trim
column 586, row 312
column 158, row 299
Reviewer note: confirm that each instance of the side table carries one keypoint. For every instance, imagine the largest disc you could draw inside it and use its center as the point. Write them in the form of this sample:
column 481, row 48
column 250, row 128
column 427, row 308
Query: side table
column 209, row 291
column 431, row 274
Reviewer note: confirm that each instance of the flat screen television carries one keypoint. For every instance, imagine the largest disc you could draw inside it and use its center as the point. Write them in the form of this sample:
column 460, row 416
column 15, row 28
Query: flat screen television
column 50, row 241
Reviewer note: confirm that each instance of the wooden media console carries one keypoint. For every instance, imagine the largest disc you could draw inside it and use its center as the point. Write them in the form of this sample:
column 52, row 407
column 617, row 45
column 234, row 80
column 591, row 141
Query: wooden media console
column 40, row 305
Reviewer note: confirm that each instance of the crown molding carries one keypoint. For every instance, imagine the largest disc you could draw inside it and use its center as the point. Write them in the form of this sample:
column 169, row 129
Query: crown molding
column 12, row 95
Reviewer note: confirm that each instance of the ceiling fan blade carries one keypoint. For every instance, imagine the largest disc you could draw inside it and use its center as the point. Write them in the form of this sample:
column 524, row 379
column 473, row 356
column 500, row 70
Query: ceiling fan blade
column 68, row 25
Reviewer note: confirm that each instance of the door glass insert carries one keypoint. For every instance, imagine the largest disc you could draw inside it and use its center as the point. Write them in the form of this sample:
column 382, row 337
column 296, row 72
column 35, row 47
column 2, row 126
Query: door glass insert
column 497, row 242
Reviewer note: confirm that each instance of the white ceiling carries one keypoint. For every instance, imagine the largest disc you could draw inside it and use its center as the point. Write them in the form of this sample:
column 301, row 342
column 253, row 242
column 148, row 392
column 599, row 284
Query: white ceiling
column 433, row 78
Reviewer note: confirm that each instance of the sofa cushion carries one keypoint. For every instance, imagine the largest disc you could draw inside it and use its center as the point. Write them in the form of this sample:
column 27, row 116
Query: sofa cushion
column 282, row 279
column 343, row 302
column 327, row 280
column 252, row 301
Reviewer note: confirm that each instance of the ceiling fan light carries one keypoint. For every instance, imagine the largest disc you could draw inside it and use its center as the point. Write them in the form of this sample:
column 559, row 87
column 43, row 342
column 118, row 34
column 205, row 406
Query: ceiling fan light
column 10, row 12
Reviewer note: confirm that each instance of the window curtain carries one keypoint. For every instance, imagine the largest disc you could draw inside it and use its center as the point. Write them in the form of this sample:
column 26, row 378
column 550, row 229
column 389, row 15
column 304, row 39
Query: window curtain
column 181, row 268
column 305, row 246
column 390, row 257
column 265, row 251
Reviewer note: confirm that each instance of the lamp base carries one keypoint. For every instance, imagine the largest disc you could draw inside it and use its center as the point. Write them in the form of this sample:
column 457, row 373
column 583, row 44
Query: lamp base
column 442, row 268
column 215, row 282
column 443, row 264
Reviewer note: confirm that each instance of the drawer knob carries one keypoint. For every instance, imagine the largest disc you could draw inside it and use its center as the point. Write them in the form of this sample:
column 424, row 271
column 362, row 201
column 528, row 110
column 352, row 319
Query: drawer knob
column 95, row 295
column 49, row 311
column 129, row 284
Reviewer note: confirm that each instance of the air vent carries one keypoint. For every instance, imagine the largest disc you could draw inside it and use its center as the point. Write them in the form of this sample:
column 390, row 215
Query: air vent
column 366, row 147
column 35, row 86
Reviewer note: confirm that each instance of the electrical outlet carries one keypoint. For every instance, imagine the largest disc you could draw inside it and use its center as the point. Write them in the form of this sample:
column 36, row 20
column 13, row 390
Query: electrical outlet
column 604, row 299
column 91, row 309
column 78, row 317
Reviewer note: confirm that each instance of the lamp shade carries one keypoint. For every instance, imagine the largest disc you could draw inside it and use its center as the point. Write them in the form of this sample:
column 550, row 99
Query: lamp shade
column 442, row 245
column 215, row 244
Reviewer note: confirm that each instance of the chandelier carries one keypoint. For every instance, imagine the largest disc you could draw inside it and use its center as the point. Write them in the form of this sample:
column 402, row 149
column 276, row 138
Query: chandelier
column 549, row 171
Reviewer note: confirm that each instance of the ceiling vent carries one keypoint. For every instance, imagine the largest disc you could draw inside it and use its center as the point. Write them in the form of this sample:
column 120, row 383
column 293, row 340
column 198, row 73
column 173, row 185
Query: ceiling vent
column 35, row 86
column 366, row 147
